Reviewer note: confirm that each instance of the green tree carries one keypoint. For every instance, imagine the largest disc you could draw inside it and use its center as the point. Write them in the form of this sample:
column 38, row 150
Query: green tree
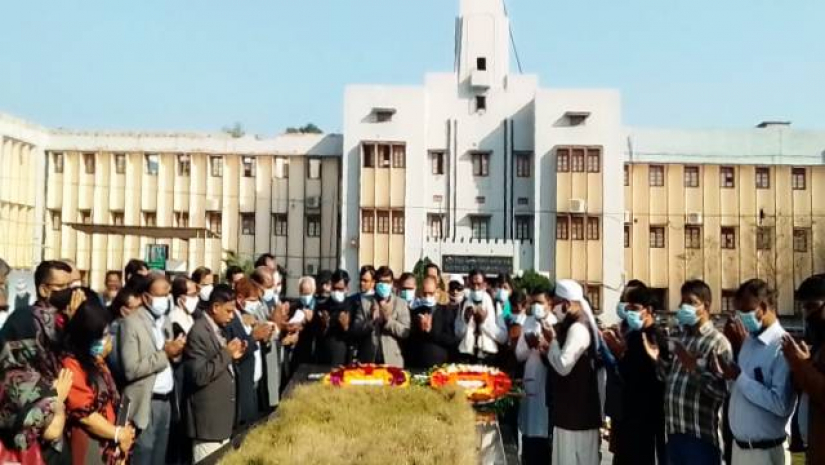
column 532, row 280
column 419, row 270
column 308, row 128
column 236, row 130
column 231, row 258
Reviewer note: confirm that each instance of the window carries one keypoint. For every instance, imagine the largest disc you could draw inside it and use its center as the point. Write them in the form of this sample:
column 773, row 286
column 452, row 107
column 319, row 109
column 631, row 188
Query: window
column 368, row 221
column 594, row 296
column 85, row 216
column 57, row 160
column 397, row 222
column 728, row 238
column 437, row 163
column 184, row 165
column 313, row 225
column 524, row 164
column 563, row 160
column 481, row 103
column 577, row 165
column 214, row 221
column 764, row 238
column 89, row 163
column 216, row 166
column 57, row 221
column 399, row 156
column 120, row 163
column 657, row 237
column 523, row 201
column 481, row 64
column 627, row 233
column 800, row 240
column 659, row 298
column 384, row 115
column 798, row 179
column 248, row 224
column 152, row 164
column 384, row 156
column 626, row 175
column 481, row 200
column 481, row 227
column 481, row 164
column 593, row 228
column 150, row 219
column 693, row 237
column 727, row 177
column 282, row 167
column 314, row 171
column 562, row 228
column 248, row 164
column 368, row 151
column 728, row 301
column 182, row 219
column 763, row 178
column 280, row 224
column 691, row 176
column 435, row 222
column 594, row 160
column 117, row 218
column 524, row 228
column 383, row 221
column 577, row 228
column 656, row 176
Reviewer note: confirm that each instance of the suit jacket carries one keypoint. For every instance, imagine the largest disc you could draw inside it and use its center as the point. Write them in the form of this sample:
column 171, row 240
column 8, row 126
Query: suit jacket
column 247, row 403
column 333, row 343
column 366, row 336
column 210, row 397
column 435, row 347
column 141, row 361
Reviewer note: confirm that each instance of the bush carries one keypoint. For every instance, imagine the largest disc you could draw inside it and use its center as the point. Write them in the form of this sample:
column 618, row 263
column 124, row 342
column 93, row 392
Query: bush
column 532, row 280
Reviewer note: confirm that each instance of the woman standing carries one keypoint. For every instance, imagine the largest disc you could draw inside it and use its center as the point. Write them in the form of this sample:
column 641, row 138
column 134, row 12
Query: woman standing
column 93, row 398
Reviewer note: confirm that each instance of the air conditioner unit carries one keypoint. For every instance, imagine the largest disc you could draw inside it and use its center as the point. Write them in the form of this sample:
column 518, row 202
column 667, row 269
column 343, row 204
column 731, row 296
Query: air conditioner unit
column 578, row 206
column 314, row 202
column 694, row 219
column 628, row 217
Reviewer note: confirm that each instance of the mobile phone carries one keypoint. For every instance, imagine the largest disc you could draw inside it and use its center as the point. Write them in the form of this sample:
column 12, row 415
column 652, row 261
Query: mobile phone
column 123, row 411
column 177, row 330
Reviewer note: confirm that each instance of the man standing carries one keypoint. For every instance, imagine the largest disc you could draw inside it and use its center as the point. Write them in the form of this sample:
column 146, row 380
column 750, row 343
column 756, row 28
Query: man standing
column 432, row 338
column 334, row 319
column 763, row 397
column 477, row 326
column 381, row 323
column 577, row 413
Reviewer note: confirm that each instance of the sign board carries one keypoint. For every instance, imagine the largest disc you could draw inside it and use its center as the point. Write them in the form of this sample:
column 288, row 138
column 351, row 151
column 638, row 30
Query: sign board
column 488, row 264
column 156, row 256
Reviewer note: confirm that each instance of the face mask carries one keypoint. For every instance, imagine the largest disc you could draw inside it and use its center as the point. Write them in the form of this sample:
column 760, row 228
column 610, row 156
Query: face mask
column 338, row 296
column 250, row 307
column 206, row 292
column 539, row 311
column 477, row 296
column 61, row 299
column 751, row 323
column 502, row 295
column 159, row 306
column 686, row 315
column 190, row 304
column 458, row 298
column 621, row 310
column 427, row 301
column 634, row 321
column 278, row 289
column 368, row 293
column 269, row 295
column 558, row 312
column 98, row 347
column 75, row 284
column 408, row 295
column 307, row 301
column 383, row 290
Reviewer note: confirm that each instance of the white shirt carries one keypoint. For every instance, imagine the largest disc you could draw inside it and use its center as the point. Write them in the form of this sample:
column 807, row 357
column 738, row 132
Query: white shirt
column 165, row 380
column 3, row 317
column 563, row 359
column 180, row 316
column 533, row 416
column 493, row 329
column 259, row 367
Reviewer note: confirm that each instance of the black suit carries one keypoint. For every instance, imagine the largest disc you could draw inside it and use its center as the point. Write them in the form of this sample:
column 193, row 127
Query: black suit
column 244, row 373
column 434, row 348
column 332, row 347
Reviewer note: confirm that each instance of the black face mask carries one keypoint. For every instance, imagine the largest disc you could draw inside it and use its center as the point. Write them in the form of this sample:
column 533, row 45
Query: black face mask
column 61, row 299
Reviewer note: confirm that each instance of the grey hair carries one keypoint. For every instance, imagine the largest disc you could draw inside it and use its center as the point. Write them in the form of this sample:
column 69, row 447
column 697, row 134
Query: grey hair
column 309, row 280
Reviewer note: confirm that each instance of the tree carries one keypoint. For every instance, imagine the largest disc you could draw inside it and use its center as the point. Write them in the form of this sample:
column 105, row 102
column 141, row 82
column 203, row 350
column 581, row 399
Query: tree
column 420, row 270
column 531, row 280
column 308, row 128
column 236, row 130
column 231, row 258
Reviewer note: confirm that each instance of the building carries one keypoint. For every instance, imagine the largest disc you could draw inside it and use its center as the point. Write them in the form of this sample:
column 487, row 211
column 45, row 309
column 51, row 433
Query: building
column 101, row 199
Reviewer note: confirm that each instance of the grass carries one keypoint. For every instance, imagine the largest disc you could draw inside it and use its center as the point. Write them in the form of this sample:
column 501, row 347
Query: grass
column 366, row 426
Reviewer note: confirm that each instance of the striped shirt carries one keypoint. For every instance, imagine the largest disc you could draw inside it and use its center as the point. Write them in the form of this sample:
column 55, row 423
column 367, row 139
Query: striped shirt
column 693, row 399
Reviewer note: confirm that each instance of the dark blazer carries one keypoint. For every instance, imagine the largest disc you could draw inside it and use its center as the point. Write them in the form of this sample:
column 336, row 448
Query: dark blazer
column 244, row 374
column 210, row 397
column 426, row 350
column 333, row 345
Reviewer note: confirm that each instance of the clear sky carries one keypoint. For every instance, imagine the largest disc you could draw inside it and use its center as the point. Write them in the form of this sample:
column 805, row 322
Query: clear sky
column 205, row 64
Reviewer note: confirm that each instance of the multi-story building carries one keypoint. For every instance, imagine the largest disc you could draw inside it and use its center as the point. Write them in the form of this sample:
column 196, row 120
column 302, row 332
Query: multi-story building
column 108, row 197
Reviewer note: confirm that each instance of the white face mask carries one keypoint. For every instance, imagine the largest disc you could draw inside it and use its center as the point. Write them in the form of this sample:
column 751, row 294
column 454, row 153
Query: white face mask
column 539, row 312
column 206, row 292
column 338, row 296
column 269, row 295
column 251, row 307
column 190, row 304
column 75, row 284
column 159, row 306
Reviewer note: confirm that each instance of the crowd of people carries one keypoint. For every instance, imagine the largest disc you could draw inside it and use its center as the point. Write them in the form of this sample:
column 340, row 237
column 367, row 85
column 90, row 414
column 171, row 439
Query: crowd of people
column 152, row 370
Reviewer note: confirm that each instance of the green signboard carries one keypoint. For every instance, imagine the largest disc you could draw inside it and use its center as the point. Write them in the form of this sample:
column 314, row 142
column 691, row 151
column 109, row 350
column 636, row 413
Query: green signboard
column 156, row 256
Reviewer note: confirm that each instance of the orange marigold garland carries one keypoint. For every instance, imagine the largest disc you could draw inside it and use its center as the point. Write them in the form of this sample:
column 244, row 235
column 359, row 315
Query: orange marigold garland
column 367, row 375
column 481, row 384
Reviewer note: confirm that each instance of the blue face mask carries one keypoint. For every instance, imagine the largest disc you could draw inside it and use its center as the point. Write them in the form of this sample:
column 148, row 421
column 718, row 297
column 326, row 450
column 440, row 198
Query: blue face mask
column 307, row 301
column 98, row 347
column 338, row 296
column 408, row 295
column 502, row 295
column 383, row 290
column 634, row 321
column 476, row 296
column 427, row 302
column 686, row 315
column 621, row 310
column 751, row 323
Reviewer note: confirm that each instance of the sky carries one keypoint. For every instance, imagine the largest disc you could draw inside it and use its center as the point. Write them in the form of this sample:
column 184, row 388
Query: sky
column 269, row 64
